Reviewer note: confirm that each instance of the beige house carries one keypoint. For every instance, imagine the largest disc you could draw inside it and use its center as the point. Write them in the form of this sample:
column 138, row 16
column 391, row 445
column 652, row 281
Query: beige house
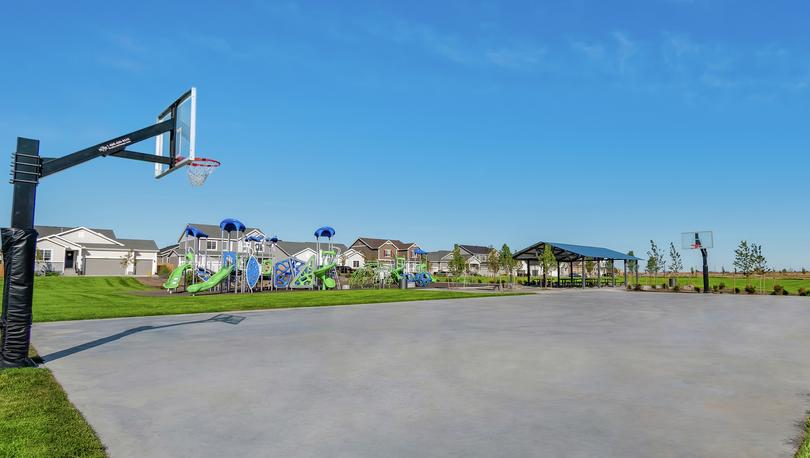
column 85, row 251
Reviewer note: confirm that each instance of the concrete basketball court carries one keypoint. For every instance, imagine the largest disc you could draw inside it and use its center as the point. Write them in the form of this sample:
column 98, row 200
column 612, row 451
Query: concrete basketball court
column 561, row 373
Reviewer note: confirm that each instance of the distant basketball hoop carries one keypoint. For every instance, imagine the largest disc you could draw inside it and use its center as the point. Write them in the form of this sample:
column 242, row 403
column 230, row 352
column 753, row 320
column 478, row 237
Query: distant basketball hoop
column 700, row 240
column 200, row 169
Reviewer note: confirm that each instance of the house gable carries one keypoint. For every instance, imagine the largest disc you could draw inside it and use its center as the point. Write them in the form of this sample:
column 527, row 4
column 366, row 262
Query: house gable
column 82, row 235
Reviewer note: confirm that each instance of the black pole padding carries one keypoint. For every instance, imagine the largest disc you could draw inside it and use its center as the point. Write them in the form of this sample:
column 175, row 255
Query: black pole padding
column 19, row 256
column 705, row 253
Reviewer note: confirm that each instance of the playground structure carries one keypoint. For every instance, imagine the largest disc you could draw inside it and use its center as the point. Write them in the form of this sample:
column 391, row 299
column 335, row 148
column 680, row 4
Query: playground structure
column 251, row 263
column 382, row 275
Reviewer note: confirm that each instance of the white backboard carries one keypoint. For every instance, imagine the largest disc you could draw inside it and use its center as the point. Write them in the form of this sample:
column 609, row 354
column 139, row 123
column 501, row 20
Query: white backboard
column 697, row 240
column 184, row 110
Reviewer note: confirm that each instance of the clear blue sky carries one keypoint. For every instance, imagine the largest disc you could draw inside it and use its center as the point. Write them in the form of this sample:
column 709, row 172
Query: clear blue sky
column 591, row 122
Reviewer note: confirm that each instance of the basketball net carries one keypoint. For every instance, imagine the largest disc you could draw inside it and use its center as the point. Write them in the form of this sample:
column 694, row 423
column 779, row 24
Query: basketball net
column 199, row 169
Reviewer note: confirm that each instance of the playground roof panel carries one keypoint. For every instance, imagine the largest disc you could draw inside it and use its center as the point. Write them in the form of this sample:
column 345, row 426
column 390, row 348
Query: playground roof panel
column 565, row 252
column 325, row 231
column 214, row 231
column 231, row 225
column 195, row 232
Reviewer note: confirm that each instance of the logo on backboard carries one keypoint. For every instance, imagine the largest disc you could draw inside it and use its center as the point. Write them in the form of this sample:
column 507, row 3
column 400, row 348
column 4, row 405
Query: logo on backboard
column 114, row 145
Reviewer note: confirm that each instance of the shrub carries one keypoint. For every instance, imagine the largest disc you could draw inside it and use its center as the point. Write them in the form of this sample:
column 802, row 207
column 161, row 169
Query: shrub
column 737, row 290
column 778, row 290
column 750, row 289
column 785, row 292
column 676, row 288
column 629, row 287
column 715, row 288
column 164, row 270
column 802, row 292
column 722, row 285
column 697, row 289
column 664, row 285
column 637, row 287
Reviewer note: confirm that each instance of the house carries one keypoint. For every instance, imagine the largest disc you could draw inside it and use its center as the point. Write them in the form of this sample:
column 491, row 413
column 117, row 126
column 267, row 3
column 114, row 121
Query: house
column 170, row 255
column 475, row 256
column 304, row 250
column 385, row 251
column 87, row 251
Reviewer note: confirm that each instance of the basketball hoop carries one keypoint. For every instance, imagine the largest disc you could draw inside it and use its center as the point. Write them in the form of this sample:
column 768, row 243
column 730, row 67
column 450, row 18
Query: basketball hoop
column 199, row 169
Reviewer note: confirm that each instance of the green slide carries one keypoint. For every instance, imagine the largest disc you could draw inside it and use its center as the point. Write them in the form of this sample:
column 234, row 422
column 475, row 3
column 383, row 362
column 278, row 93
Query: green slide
column 211, row 282
column 322, row 275
column 177, row 274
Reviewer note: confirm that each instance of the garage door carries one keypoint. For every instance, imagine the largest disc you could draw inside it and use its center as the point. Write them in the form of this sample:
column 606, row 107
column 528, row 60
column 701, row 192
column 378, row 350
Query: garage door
column 143, row 267
column 103, row 267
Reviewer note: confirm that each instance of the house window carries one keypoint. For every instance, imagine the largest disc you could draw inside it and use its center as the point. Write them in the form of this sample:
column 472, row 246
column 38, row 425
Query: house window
column 355, row 264
column 211, row 245
column 387, row 253
column 43, row 255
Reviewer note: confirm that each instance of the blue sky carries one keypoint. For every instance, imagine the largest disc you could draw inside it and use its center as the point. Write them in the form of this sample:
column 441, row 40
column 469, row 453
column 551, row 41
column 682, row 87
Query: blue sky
column 604, row 123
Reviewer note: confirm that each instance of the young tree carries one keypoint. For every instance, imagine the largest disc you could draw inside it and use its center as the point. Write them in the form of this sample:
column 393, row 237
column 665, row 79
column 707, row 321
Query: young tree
column 127, row 259
column 759, row 264
column 507, row 261
column 675, row 265
column 743, row 261
column 632, row 265
column 457, row 263
column 655, row 261
column 547, row 260
column 494, row 263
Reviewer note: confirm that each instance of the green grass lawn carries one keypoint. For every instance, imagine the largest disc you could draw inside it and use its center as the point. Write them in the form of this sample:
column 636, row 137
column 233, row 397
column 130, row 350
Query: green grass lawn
column 80, row 298
column 791, row 284
column 37, row 420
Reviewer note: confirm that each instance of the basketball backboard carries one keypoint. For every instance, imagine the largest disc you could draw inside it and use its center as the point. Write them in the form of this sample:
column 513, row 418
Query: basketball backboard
column 697, row 240
column 178, row 144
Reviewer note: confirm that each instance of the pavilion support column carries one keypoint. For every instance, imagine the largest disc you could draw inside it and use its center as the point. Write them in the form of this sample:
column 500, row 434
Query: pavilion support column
column 598, row 273
column 558, row 275
column 613, row 272
column 584, row 274
column 637, row 272
column 625, row 273
column 528, row 271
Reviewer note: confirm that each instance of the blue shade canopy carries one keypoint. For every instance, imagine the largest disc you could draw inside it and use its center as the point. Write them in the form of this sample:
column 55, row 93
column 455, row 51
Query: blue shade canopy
column 564, row 252
column 274, row 239
column 194, row 232
column 255, row 238
column 231, row 224
column 325, row 231
column 419, row 251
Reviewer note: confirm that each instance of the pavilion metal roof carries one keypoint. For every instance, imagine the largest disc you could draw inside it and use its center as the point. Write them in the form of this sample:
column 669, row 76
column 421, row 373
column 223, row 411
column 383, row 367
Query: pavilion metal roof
column 565, row 252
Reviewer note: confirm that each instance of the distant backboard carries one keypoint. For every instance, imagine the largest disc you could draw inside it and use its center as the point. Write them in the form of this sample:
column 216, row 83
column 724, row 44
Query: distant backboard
column 179, row 143
column 697, row 240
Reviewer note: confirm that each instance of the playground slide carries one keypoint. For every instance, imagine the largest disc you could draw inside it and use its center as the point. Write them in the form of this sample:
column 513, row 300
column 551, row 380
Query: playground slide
column 213, row 281
column 327, row 282
column 176, row 276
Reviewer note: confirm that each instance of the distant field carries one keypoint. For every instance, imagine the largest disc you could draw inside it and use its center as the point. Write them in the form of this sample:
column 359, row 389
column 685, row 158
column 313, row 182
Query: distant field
column 81, row 298
column 766, row 284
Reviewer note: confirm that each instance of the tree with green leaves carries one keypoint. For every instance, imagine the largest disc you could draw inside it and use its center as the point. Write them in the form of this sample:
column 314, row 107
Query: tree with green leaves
column 457, row 263
column 759, row 264
column 632, row 265
column 589, row 265
column 675, row 264
column 127, row 259
column 547, row 261
column 508, row 262
column 494, row 263
column 655, row 261
column 743, row 260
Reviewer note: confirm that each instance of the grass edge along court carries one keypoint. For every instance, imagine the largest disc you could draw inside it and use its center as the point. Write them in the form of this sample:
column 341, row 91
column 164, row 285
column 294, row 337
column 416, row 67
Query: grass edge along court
column 38, row 420
column 83, row 298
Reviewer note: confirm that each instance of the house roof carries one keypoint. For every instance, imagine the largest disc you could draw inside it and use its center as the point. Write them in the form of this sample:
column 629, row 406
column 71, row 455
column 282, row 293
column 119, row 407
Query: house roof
column 374, row 243
column 213, row 230
column 291, row 248
column 475, row 249
column 129, row 244
column 45, row 231
column 436, row 256
column 169, row 248
column 565, row 252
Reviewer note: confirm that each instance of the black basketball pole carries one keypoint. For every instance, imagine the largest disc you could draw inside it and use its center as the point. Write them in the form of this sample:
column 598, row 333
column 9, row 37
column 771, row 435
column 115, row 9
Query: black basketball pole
column 705, row 253
column 19, row 241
